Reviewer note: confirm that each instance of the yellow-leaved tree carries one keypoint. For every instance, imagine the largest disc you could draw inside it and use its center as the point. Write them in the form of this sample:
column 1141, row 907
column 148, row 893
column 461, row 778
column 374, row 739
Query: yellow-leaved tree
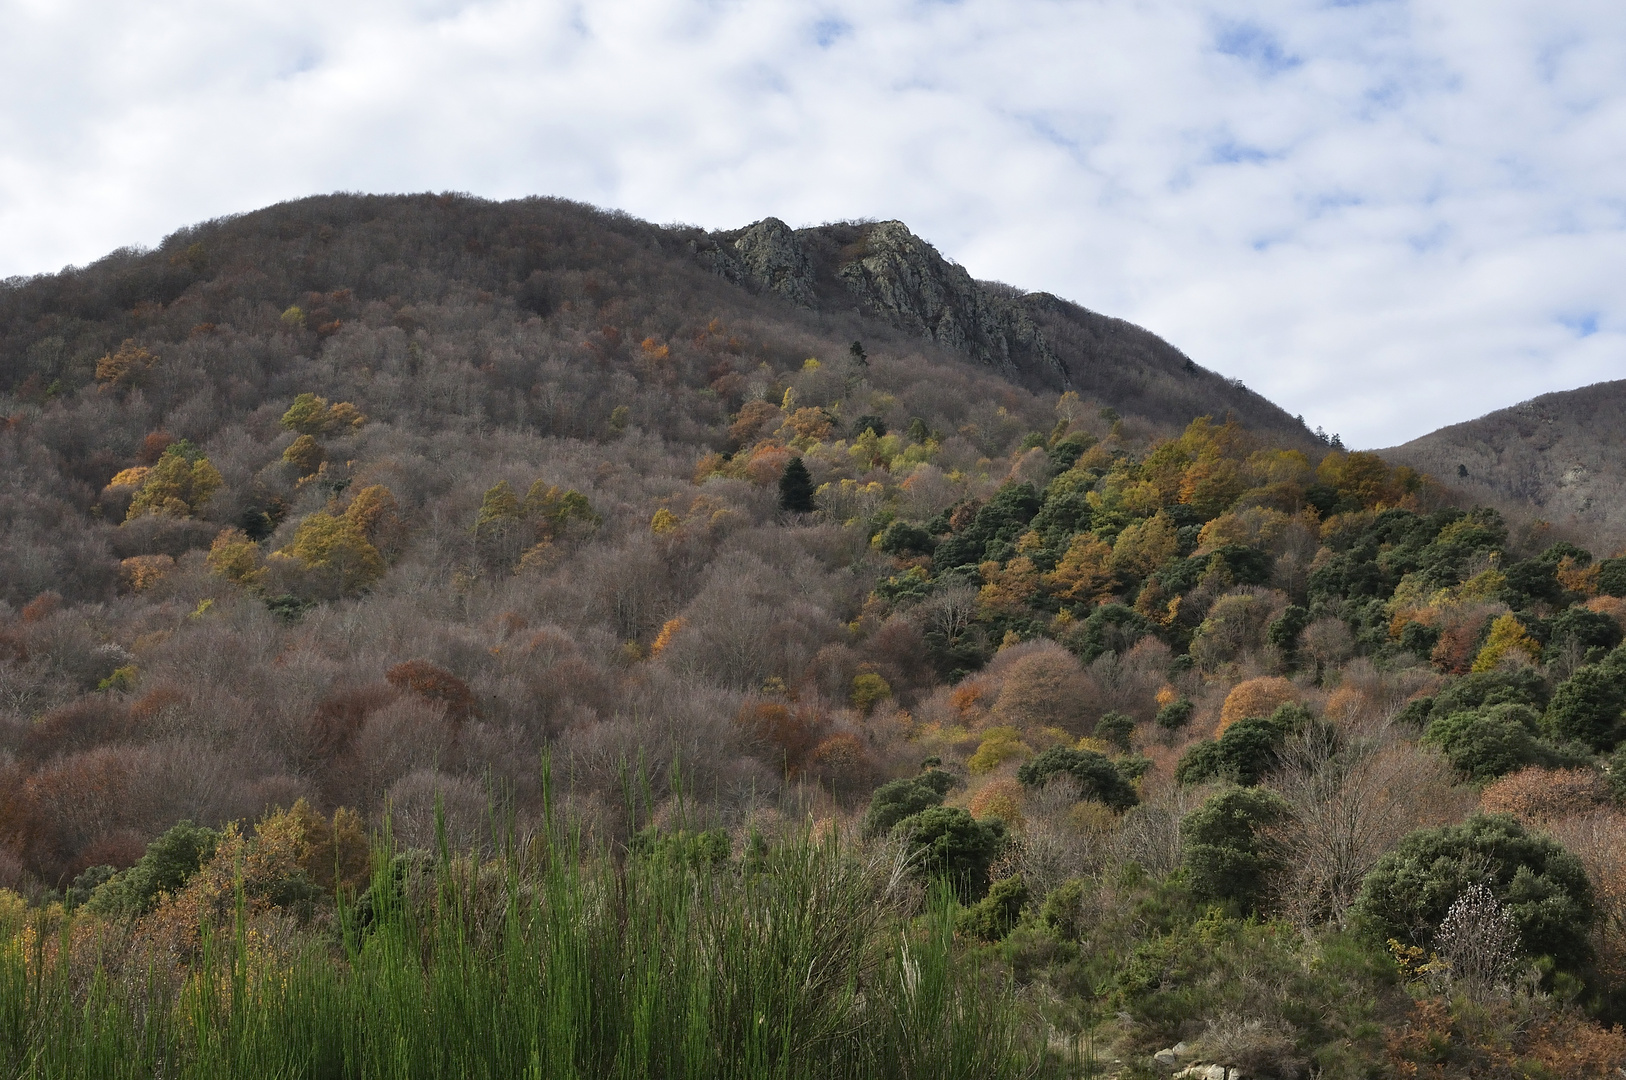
column 125, row 367
column 178, row 485
column 346, row 545
column 235, row 557
column 312, row 415
column 1508, row 638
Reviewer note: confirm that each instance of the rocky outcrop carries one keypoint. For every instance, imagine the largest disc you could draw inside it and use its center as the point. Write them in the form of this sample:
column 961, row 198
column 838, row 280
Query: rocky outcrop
column 1176, row 1057
column 891, row 273
column 766, row 257
column 900, row 277
column 882, row 270
column 775, row 262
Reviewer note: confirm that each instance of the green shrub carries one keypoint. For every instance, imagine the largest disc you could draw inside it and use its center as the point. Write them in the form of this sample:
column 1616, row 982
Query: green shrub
column 1588, row 705
column 1584, row 628
column 1491, row 741
column 902, row 538
column 1098, row 779
column 996, row 914
column 1110, row 628
column 168, row 863
column 85, row 884
column 1284, row 630
column 1419, row 640
column 1062, row 908
column 1612, row 577
column 1545, row 888
column 708, row 847
column 1523, row 686
column 1175, row 715
column 1115, row 729
column 1066, row 452
column 1415, row 713
column 1230, row 852
column 1247, row 750
column 948, row 843
column 898, row 799
column 1532, row 581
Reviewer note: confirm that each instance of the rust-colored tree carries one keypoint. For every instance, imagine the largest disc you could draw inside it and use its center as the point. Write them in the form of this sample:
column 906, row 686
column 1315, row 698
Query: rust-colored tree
column 436, row 685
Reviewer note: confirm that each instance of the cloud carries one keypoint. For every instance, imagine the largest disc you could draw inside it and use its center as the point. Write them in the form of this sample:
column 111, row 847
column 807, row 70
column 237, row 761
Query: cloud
column 1387, row 216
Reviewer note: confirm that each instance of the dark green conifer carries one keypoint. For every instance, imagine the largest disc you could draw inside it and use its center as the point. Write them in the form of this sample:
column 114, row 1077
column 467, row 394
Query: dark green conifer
column 796, row 488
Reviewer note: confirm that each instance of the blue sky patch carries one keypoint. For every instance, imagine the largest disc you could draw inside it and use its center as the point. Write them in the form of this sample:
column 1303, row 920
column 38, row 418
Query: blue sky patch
column 829, row 31
column 1255, row 44
column 1582, row 325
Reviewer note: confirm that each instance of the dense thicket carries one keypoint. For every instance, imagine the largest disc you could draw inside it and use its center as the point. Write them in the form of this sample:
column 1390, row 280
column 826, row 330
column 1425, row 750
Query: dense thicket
column 342, row 516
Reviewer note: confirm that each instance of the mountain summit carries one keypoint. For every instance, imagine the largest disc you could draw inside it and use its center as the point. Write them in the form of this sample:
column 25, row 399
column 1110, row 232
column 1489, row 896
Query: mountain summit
column 882, row 270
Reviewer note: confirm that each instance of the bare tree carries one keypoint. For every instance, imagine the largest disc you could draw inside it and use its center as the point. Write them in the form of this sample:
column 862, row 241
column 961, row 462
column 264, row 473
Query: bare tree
column 1351, row 797
column 951, row 611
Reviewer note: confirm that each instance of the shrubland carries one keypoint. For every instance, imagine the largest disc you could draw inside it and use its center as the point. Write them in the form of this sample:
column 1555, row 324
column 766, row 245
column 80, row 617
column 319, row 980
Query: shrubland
column 402, row 598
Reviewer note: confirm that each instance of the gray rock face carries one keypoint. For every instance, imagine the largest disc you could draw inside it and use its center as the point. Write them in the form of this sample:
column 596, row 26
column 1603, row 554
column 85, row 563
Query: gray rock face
column 901, row 277
column 766, row 257
column 773, row 260
column 1209, row 1072
column 892, row 273
column 884, row 271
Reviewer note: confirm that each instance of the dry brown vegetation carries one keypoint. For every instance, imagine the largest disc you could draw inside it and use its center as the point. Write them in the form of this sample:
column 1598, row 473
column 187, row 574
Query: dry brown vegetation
column 383, row 508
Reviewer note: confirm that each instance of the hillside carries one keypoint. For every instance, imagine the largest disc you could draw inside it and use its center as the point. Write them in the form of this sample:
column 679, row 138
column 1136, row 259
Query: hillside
column 1560, row 456
column 443, row 637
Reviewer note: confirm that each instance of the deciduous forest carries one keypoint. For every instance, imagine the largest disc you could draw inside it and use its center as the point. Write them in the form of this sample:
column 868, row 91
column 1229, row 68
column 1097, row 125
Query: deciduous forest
column 450, row 637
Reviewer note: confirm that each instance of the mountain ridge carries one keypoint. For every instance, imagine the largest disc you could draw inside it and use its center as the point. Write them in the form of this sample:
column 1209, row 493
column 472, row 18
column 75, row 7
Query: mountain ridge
column 1560, row 456
column 884, row 270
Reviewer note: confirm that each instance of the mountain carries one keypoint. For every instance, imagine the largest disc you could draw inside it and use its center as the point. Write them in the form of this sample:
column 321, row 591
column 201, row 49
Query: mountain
column 883, row 270
column 426, row 606
column 1560, row 457
column 856, row 277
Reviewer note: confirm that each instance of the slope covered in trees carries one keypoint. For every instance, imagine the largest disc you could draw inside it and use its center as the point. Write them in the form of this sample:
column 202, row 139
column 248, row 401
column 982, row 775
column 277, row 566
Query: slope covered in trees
column 1559, row 456
column 498, row 524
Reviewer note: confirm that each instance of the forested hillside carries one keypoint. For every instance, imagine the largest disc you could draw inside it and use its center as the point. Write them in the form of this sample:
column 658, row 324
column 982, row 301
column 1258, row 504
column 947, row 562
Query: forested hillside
column 1167, row 732
column 1561, row 457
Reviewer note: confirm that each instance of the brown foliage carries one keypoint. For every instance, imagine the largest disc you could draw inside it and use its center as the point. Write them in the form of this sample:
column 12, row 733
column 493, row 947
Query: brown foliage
column 78, row 726
column 755, row 418
column 1598, row 839
column 1255, row 697
column 1459, row 641
column 1502, row 1040
column 843, row 763
column 1045, row 687
column 1352, row 798
column 41, row 607
column 786, row 733
column 337, row 718
column 435, row 684
column 1535, row 795
column 153, row 447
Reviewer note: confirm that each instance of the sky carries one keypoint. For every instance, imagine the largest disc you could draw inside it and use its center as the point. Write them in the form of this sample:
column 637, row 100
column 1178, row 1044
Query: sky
column 1385, row 216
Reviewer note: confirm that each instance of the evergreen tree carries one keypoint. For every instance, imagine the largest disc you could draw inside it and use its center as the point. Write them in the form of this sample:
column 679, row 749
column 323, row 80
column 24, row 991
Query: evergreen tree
column 796, row 488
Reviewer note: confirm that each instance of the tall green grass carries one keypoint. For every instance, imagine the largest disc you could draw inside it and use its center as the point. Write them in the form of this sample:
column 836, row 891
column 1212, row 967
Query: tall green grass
column 575, row 966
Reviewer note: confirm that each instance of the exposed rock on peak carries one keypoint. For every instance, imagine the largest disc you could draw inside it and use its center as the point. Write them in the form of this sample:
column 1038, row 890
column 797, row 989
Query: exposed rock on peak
column 883, row 270
column 899, row 276
column 773, row 260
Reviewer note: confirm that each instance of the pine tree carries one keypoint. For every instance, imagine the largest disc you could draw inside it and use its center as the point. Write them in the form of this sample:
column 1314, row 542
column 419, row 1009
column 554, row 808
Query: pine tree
column 796, row 488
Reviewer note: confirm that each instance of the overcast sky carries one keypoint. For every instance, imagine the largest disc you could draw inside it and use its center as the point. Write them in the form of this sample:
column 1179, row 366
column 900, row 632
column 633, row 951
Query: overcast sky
column 1387, row 216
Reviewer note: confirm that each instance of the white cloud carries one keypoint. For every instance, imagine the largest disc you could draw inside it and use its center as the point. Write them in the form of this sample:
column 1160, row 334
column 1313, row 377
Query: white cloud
column 1387, row 216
